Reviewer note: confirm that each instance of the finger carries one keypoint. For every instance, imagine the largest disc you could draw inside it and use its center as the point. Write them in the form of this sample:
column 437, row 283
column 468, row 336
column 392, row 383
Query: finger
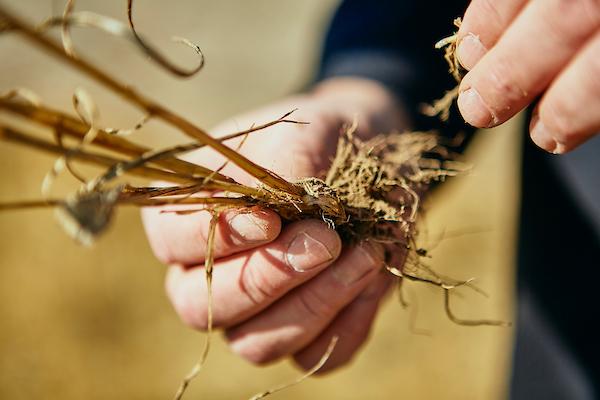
column 352, row 326
column 181, row 239
column 536, row 46
column 300, row 317
column 245, row 284
column 567, row 115
column 483, row 24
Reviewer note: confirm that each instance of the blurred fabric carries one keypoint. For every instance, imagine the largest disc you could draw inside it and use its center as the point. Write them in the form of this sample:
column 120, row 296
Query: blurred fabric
column 96, row 324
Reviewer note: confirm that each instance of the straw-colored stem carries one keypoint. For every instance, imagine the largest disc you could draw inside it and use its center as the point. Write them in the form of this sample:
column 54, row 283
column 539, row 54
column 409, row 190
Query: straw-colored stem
column 23, row 205
column 12, row 135
column 137, row 201
column 221, row 201
column 72, row 127
column 152, row 108
column 153, row 192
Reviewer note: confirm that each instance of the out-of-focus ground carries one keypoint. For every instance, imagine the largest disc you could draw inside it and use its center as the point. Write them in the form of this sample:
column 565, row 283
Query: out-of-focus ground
column 96, row 324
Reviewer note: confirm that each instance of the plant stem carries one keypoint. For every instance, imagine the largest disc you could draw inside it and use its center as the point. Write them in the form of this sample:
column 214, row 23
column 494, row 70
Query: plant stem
column 150, row 107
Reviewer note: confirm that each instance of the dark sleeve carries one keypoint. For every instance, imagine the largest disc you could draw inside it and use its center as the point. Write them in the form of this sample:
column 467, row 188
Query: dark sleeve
column 392, row 41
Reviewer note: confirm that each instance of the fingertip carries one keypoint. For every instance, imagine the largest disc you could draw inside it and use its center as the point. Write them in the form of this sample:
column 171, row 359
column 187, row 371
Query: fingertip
column 255, row 225
column 566, row 116
column 470, row 50
column 311, row 244
column 474, row 110
column 182, row 239
column 542, row 138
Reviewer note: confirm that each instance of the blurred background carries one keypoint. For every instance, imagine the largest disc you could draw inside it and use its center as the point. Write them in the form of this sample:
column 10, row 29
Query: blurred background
column 96, row 324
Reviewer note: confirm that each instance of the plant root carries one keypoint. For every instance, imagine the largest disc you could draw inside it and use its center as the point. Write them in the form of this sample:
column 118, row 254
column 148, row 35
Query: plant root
column 372, row 192
column 442, row 106
column 310, row 372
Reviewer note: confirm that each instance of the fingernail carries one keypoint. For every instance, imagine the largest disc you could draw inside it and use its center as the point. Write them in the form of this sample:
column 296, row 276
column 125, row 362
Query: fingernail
column 249, row 228
column 305, row 253
column 474, row 110
column 542, row 138
column 363, row 261
column 470, row 51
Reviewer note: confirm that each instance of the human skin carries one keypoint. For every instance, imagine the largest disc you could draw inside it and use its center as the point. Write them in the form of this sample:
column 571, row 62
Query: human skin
column 520, row 50
column 280, row 291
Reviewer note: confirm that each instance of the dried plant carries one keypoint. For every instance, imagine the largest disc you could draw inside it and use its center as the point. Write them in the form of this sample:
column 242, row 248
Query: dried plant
column 371, row 193
column 442, row 106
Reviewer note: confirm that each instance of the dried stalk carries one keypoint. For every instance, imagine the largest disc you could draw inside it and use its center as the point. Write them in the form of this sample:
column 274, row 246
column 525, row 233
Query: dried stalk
column 150, row 107
column 359, row 196
column 30, row 140
column 87, row 213
column 210, row 258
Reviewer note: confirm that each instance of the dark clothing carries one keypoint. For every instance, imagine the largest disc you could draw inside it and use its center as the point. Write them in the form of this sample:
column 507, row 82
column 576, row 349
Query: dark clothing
column 557, row 350
column 557, row 355
column 393, row 42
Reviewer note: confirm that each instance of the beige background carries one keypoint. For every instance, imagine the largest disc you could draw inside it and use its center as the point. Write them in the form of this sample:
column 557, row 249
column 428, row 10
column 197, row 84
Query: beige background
column 95, row 324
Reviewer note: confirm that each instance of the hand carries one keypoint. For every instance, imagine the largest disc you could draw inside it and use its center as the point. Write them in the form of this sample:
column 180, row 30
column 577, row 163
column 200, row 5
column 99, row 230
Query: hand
column 281, row 291
column 517, row 50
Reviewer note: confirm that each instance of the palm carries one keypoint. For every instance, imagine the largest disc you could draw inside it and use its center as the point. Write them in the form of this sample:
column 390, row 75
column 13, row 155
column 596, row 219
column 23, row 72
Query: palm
column 290, row 150
column 280, row 290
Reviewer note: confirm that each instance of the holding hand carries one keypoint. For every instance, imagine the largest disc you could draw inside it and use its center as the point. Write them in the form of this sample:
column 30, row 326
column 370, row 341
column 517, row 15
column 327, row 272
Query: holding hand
column 517, row 50
column 281, row 291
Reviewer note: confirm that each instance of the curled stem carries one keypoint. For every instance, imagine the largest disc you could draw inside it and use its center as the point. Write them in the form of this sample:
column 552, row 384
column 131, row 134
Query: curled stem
column 158, row 58
column 150, row 107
